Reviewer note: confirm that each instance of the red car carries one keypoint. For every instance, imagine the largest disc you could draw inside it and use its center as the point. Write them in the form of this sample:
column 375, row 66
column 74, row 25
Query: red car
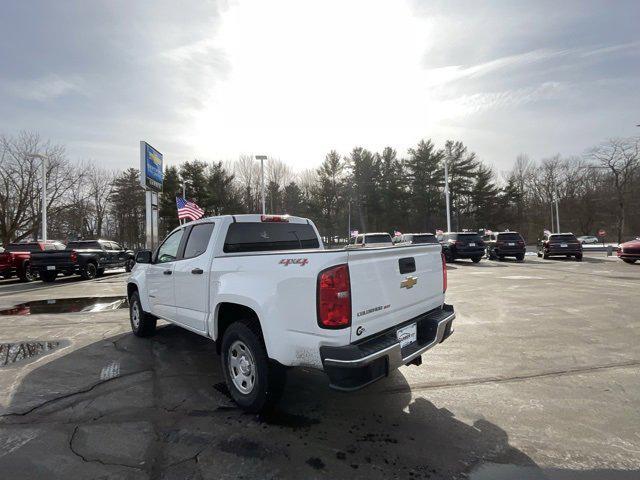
column 16, row 258
column 630, row 251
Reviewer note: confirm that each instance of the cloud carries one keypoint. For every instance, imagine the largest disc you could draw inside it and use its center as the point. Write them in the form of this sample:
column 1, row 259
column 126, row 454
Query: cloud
column 44, row 89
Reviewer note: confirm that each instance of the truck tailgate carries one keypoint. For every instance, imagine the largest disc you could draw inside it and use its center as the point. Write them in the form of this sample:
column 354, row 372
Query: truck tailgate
column 392, row 285
column 44, row 259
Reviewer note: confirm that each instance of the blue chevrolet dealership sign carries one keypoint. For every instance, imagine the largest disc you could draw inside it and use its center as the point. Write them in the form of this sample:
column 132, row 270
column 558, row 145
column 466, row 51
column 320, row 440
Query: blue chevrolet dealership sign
column 151, row 173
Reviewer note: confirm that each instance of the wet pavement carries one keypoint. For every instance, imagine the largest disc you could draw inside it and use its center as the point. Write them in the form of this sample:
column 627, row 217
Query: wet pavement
column 67, row 305
column 539, row 381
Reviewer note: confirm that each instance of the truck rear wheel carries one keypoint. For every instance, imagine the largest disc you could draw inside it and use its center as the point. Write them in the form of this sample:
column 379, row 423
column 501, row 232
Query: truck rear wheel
column 89, row 271
column 48, row 277
column 254, row 381
column 143, row 324
column 476, row 259
column 26, row 274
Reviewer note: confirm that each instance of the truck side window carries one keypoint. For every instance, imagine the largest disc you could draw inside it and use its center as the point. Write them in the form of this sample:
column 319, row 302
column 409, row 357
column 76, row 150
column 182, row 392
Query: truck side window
column 198, row 240
column 168, row 251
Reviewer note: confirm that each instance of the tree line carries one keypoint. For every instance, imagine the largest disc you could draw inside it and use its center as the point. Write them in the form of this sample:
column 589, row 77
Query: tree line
column 376, row 191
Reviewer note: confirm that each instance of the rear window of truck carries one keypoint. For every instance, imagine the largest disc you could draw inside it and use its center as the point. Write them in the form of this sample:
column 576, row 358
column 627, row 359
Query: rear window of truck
column 23, row 247
column 264, row 237
column 424, row 239
column 81, row 245
column 377, row 238
column 466, row 237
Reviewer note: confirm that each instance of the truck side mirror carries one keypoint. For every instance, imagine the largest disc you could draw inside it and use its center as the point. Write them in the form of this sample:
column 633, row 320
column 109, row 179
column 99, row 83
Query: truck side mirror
column 143, row 256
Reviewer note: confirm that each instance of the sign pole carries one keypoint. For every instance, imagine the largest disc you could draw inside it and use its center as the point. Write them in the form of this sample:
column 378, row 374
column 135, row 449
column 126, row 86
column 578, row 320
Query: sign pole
column 151, row 179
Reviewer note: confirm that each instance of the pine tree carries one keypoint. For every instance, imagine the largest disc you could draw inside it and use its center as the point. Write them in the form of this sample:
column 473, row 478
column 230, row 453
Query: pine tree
column 128, row 209
column 328, row 195
column 168, row 211
column 425, row 177
column 462, row 167
column 484, row 198
column 222, row 193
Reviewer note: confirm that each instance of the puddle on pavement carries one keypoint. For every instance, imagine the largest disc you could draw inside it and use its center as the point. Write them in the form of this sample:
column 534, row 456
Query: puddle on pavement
column 11, row 353
column 67, row 305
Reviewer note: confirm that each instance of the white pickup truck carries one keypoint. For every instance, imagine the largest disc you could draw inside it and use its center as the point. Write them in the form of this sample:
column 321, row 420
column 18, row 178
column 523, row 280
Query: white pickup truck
column 265, row 289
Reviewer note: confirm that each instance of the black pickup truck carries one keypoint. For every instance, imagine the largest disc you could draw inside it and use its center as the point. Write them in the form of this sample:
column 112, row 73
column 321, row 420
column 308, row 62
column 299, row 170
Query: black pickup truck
column 89, row 258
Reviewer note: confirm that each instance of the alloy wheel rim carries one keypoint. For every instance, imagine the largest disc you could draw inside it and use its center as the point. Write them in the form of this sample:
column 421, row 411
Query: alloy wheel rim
column 135, row 315
column 242, row 367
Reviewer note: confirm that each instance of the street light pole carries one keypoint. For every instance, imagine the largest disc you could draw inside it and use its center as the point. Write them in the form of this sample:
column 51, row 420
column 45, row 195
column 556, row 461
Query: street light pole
column 446, row 195
column 43, row 158
column 262, row 158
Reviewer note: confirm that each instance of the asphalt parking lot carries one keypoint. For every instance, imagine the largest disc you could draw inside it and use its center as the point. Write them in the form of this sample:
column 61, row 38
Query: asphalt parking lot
column 539, row 380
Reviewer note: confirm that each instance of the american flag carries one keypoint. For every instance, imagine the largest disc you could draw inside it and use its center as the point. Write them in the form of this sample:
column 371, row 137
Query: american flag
column 187, row 209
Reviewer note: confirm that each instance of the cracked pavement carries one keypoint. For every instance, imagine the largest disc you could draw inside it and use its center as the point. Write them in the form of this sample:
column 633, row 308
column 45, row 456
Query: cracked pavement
column 541, row 374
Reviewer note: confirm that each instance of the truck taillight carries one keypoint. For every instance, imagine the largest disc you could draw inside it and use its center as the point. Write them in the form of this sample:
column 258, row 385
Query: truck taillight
column 444, row 273
column 274, row 218
column 334, row 297
column 74, row 256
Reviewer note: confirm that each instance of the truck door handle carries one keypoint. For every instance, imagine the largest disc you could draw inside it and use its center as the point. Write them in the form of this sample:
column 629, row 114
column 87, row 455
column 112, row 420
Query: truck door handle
column 197, row 271
column 167, row 272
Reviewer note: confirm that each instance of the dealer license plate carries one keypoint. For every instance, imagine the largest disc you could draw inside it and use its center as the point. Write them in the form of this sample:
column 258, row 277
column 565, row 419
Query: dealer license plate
column 407, row 335
column 51, row 267
column 472, row 244
column 512, row 244
column 564, row 245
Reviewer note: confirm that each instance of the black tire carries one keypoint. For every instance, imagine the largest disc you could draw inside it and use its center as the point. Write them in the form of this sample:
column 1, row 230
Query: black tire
column 520, row 257
column 579, row 258
column 539, row 253
column 48, row 277
column 266, row 376
column 26, row 274
column 476, row 259
column 100, row 272
column 625, row 260
column 545, row 255
column 129, row 265
column 89, row 272
column 143, row 324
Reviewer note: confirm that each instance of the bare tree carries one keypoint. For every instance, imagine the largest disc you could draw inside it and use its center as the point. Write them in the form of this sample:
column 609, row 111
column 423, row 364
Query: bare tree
column 620, row 157
column 100, row 184
column 21, row 186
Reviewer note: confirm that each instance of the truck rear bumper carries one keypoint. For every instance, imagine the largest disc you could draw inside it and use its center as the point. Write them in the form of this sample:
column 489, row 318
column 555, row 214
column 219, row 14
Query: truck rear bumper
column 355, row 366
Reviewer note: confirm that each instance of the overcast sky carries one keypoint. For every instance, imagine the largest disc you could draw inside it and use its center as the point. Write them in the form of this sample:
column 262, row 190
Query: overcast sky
column 295, row 79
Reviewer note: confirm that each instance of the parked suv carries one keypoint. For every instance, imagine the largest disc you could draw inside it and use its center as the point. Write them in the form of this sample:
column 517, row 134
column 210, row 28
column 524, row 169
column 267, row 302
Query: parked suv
column 89, row 258
column 560, row 245
column 414, row 239
column 505, row 244
column 462, row 245
column 16, row 258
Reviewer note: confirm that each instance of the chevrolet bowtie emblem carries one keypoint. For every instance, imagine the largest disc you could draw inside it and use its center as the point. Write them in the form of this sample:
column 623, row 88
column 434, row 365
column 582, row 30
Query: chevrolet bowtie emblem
column 408, row 283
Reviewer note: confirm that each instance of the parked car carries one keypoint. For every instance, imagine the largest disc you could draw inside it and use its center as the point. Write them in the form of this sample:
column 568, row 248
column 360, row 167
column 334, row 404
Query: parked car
column 588, row 240
column 414, row 239
column 270, row 296
column 457, row 245
column 504, row 244
column 16, row 258
column 560, row 245
column 630, row 251
column 371, row 240
column 88, row 258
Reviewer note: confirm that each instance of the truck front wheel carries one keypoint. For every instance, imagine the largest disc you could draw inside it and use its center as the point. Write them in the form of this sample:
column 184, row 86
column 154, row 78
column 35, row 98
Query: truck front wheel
column 143, row 324
column 89, row 272
column 255, row 382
